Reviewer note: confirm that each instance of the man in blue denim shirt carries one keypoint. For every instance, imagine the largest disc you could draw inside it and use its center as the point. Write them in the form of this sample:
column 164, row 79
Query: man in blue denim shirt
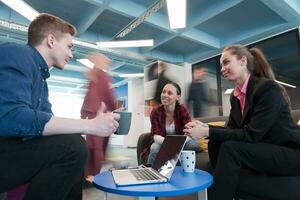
column 36, row 147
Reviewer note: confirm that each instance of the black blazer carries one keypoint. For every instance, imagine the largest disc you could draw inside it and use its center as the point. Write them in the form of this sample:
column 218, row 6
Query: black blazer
column 266, row 117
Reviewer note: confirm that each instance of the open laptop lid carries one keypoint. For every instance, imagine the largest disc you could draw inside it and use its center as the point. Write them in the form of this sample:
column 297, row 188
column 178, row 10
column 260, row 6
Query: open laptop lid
column 168, row 154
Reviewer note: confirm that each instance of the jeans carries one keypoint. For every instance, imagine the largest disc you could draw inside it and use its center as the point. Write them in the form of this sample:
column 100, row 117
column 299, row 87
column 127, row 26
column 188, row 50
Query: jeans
column 155, row 147
column 53, row 166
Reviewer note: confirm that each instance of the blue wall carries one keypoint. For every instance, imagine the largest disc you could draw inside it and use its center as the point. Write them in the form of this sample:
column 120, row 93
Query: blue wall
column 122, row 92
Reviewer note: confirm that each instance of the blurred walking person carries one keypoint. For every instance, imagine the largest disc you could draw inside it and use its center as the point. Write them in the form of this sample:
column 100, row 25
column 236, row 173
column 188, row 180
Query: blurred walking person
column 99, row 90
column 197, row 94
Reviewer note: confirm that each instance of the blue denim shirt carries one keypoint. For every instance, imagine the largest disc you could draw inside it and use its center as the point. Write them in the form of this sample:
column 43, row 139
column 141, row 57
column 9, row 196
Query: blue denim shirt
column 24, row 104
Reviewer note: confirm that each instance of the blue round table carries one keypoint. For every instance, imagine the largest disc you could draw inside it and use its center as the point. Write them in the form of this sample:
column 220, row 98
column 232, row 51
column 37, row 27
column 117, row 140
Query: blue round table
column 180, row 183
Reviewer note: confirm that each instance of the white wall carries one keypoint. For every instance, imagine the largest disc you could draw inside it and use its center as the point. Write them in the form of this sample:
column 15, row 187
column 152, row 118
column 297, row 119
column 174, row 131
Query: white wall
column 66, row 105
column 136, row 106
column 176, row 73
column 149, row 88
column 187, row 78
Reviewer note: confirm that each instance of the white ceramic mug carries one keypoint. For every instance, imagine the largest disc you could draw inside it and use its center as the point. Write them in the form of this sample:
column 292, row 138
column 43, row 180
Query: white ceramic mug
column 188, row 160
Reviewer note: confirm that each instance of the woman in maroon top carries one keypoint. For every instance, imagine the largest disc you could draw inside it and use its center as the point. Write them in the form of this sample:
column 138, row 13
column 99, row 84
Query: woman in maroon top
column 99, row 90
column 168, row 119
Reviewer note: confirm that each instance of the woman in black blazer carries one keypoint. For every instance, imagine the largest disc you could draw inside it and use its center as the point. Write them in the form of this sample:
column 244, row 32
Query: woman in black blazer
column 260, row 134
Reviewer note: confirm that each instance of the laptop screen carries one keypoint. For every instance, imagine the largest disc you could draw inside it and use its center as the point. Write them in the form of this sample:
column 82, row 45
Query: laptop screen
column 168, row 154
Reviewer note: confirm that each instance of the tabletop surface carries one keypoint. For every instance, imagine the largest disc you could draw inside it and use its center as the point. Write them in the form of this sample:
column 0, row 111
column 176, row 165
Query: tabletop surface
column 179, row 184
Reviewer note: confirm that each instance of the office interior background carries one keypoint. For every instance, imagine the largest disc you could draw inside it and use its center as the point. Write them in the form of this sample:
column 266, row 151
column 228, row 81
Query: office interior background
column 272, row 25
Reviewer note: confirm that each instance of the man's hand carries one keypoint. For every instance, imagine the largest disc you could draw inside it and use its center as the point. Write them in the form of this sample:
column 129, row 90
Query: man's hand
column 196, row 130
column 104, row 124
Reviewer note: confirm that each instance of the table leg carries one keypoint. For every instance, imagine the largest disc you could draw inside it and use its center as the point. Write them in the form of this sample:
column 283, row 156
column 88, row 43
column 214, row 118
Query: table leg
column 105, row 196
column 202, row 195
column 146, row 198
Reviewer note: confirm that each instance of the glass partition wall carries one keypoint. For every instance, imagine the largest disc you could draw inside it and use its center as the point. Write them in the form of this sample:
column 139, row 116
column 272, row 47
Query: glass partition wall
column 282, row 51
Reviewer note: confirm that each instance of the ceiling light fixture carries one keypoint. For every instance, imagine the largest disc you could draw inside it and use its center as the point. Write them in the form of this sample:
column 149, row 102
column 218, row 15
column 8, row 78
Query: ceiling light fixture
column 86, row 62
column 177, row 13
column 131, row 75
column 127, row 43
column 286, row 84
column 22, row 8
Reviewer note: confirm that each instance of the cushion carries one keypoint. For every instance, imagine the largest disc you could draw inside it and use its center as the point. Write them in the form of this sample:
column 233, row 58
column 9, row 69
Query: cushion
column 218, row 123
column 203, row 141
column 203, row 144
column 298, row 122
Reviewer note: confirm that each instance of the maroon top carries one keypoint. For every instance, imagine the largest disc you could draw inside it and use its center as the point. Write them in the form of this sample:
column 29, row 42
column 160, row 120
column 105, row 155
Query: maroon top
column 99, row 90
column 158, row 123
column 158, row 120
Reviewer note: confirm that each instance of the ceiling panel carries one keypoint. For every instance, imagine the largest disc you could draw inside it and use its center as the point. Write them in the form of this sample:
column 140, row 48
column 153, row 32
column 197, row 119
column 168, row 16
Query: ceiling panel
column 179, row 45
column 245, row 16
column 109, row 23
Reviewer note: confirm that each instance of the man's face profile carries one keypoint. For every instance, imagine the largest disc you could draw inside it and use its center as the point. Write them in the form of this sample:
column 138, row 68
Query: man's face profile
column 61, row 52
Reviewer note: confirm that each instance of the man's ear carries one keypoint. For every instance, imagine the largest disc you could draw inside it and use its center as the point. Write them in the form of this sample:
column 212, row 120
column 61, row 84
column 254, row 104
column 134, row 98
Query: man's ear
column 50, row 40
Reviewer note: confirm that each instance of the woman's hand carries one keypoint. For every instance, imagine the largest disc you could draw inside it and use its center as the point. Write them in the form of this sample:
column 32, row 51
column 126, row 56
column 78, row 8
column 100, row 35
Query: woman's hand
column 196, row 130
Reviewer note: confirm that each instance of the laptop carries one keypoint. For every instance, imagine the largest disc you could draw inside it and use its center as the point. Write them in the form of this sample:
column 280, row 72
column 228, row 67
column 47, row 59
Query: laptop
column 162, row 169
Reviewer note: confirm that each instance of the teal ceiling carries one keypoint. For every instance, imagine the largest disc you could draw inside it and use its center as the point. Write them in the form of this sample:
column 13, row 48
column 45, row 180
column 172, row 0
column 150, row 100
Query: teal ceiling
column 211, row 25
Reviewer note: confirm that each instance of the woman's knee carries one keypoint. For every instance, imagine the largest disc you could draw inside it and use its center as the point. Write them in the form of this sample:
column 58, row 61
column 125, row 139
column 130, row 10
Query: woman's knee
column 192, row 145
column 155, row 147
column 231, row 146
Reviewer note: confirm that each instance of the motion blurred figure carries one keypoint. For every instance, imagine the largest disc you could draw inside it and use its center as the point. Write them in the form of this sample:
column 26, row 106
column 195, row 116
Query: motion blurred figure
column 99, row 90
column 161, row 82
column 197, row 94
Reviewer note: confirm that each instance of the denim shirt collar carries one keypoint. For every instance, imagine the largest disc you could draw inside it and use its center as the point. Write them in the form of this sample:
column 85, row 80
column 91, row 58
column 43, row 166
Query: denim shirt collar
column 42, row 63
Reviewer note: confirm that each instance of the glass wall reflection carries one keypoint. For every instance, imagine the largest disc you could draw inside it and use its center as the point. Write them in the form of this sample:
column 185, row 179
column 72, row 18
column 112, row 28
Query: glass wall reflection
column 282, row 51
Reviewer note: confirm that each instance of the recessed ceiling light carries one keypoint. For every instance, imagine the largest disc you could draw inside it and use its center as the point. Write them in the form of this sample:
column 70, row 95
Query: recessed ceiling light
column 22, row 8
column 128, row 43
column 177, row 13
column 86, row 62
column 131, row 75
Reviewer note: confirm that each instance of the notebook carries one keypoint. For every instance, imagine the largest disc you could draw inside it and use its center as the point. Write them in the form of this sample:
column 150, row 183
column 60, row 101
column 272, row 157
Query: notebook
column 162, row 169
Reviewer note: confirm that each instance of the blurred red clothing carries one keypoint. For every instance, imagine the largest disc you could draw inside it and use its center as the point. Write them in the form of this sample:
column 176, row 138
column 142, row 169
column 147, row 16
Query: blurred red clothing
column 99, row 90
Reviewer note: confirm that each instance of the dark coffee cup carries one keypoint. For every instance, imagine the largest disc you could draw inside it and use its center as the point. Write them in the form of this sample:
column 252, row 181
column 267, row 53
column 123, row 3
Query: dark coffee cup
column 124, row 123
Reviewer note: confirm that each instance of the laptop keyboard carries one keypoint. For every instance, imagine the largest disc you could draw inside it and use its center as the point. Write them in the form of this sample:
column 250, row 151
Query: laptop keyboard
column 144, row 174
